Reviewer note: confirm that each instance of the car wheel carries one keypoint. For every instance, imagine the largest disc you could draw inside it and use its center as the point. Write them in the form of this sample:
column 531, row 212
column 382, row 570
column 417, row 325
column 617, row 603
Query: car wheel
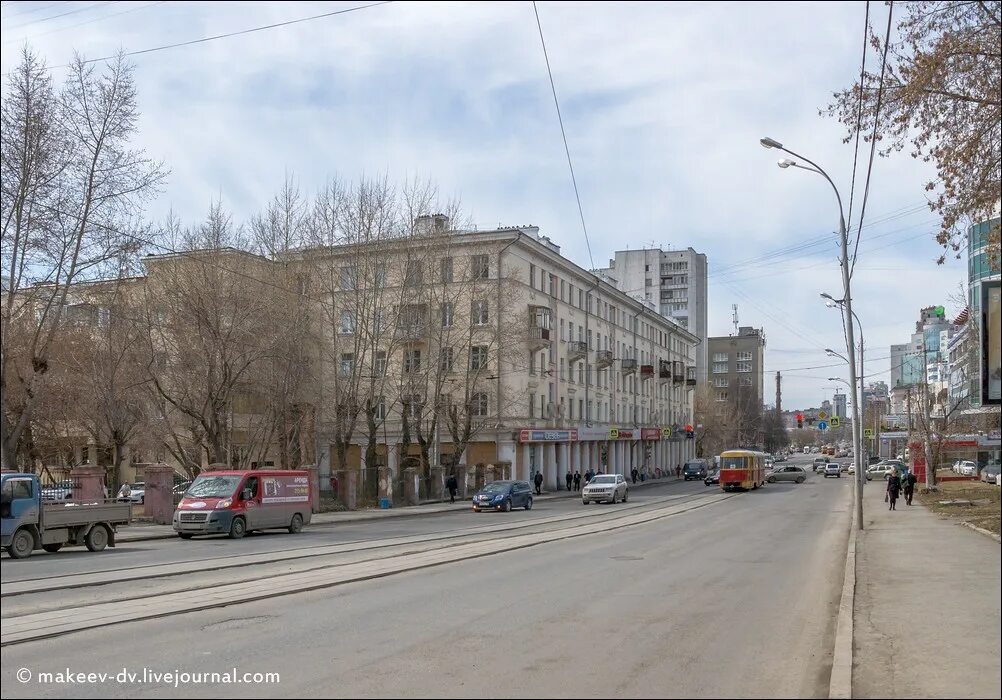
column 528, row 504
column 800, row 479
column 626, row 495
column 97, row 538
column 506, row 506
column 21, row 545
column 297, row 524
column 771, row 480
column 238, row 528
column 53, row 548
column 185, row 535
column 585, row 501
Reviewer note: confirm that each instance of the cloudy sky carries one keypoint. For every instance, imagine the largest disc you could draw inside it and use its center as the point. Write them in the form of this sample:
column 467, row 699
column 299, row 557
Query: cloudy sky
column 663, row 104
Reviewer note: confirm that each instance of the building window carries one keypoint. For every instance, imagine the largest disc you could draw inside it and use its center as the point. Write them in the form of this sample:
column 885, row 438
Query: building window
column 720, row 382
column 412, row 405
column 563, row 376
column 478, row 313
column 347, row 323
column 532, row 283
column 721, row 396
column 381, row 409
column 746, row 381
column 744, row 355
column 480, row 267
column 478, row 357
column 348, row 276
column 445, row 360
column 720, row 368
column 532, row 405
column 720, row 357
column 379, row 274
column 379, row 364
column 412, row 360
column 479, row 405
column 743, row 367
column 448, row 314
column 446, row 270
column 347, row 364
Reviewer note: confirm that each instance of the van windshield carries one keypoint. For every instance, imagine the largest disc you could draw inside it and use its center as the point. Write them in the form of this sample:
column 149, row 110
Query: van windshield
column 213, row 487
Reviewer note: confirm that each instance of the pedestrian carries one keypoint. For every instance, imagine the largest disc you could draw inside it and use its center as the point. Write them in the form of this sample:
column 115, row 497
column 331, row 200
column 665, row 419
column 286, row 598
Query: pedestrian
column 678, row 470
column 453, row 486
column 125, row 493
column 569, row 479
column 538, row 481
column 910, row 480
column 893, row 487
column 588, row 475
column 633, row 474
column 577, row 481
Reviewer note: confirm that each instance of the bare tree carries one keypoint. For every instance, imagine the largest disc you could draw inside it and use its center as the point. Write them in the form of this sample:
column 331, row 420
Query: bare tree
column 72, row 192
column 942, row 92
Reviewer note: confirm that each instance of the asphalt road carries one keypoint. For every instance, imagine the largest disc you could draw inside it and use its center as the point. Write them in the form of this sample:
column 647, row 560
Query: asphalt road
column 733, row 599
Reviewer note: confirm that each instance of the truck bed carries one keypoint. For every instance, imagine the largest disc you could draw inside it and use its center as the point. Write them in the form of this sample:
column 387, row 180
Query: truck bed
column 59, row 515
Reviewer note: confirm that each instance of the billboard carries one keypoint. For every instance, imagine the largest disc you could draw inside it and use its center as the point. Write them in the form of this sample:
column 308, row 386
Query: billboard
column 991, row 342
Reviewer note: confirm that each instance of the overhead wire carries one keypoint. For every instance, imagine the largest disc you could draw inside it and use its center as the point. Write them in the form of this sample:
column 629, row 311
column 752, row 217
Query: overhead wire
column 859, row 112
column 80, row 24
column 64, row 14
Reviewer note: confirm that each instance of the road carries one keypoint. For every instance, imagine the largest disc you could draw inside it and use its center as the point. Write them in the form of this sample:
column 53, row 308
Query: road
column 736, row 597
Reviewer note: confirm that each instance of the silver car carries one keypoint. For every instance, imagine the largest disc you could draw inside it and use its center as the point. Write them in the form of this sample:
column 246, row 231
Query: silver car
column 606, row 487
column 795, row 474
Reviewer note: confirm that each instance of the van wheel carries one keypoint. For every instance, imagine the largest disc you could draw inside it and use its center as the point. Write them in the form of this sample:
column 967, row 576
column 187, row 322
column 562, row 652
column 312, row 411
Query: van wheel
column 53, row 548
column 21, row 545
column 97, row 538
column 184, row 535
column 238, row 528
column 297, row 524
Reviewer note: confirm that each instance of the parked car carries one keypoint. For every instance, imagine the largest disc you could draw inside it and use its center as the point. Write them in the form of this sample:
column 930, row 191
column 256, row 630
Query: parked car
column 781, row 457
column 880, row 471
column 60, row 491
column 832, row 469
column 795, row 474
column 504, row 495
column 606, row 487
column 712, row 478
column 968, row 468
column 134, row 493
column 696, row 469
column 990, row 474
column 852, row 468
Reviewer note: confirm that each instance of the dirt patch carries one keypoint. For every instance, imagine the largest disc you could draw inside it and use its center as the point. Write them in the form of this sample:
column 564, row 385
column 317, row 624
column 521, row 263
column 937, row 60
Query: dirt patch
column 984, row 512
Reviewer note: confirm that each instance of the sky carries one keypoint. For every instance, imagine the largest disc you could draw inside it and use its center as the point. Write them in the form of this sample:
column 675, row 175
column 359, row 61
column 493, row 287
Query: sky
column 663, row 104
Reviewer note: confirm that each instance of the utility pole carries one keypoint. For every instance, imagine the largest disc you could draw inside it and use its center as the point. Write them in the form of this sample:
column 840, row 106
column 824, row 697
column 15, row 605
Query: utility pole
column 779, row 393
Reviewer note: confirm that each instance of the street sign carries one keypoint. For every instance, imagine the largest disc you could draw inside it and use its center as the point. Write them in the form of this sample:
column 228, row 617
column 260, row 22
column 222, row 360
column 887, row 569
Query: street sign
column 868, row 433
column 822, row 425
column 666, row 432
column 835, row 422
column 613, row 433
column 822, row 414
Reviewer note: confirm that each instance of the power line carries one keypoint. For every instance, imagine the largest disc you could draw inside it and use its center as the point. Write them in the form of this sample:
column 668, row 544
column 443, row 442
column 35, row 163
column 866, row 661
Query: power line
column 65, row 14
column 563, row 133
column 37, row 9
column 237, row 33
column 873, row 135
column 859, row 112
column 80, row 24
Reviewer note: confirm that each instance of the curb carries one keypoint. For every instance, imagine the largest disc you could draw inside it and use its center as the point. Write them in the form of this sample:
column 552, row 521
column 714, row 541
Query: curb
column 981, row 530
column 840, row 682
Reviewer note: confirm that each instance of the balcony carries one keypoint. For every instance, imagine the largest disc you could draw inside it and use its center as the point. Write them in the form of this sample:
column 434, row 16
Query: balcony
column 664, row 370
column 603, row 358
column 690, row 375
column 414, row 331
column 539, row 338
column 576, row 349
column 628, row 366
column 647, row 371
column 677, row 371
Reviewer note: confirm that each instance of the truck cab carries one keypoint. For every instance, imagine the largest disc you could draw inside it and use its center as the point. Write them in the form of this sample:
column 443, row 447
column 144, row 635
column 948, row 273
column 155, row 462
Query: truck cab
column 29, row 523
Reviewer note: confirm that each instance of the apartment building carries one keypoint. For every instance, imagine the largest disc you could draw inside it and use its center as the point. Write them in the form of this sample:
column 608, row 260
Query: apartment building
column 675, row 281
column 737, row 366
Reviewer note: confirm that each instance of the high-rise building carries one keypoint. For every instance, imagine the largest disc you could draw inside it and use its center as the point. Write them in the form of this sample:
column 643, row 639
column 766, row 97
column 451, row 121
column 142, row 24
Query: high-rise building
column 673, row 280
column 839, row 404
column 737, row 366
column 983, row 283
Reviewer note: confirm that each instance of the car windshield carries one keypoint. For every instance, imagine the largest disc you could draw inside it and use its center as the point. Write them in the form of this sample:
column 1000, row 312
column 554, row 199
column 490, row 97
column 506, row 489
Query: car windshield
column 213, row 486
column 604, row 480
column 497, row 487
column 693, row 466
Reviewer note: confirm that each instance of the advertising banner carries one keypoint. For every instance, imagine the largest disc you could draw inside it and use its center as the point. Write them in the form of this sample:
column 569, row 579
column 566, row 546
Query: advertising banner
column 285, row 489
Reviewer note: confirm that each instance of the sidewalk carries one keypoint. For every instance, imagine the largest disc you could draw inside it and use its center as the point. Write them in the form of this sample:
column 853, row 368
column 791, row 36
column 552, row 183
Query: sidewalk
column 138, row 533
column 927, row 614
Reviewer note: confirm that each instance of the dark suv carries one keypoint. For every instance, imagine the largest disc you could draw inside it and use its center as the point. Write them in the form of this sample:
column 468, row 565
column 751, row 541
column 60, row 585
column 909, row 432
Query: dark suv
column 694, row 470
column 503, row 495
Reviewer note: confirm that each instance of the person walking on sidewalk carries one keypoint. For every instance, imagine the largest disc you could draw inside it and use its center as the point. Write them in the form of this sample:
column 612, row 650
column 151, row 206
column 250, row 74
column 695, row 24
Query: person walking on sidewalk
column 588, row 475
column 538, row 481
column 678, row 471
column 633, row 474
column 910, row 480
column 569, row 479
column 577, row 481
column 893, row 487
column 453, row 486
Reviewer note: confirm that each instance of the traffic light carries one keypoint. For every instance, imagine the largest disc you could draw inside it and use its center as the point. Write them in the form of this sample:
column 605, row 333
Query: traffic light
column 800, row 420
column 689, row 432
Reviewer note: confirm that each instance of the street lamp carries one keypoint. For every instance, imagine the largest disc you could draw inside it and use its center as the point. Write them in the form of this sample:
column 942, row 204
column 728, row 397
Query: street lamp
column 846, row 301
column 831, row 302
